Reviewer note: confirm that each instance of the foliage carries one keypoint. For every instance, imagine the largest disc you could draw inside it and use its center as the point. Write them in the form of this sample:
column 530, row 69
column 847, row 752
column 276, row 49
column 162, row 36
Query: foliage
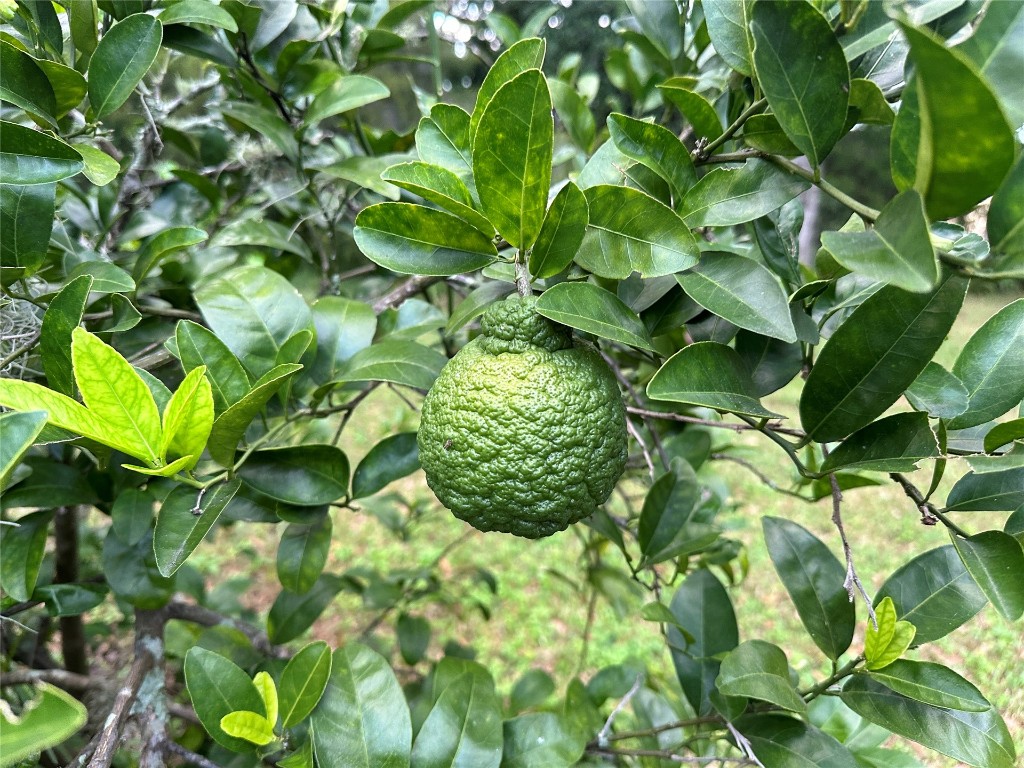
column 204, row 208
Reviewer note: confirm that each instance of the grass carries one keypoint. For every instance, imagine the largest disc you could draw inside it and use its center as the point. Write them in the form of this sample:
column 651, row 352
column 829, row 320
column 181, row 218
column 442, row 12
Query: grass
column 538, row 616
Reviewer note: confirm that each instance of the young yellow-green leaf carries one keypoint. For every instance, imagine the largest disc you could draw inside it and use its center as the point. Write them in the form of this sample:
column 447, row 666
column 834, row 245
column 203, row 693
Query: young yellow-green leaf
column 268, row 692
column 116, row 395
column 100, row 168
column 188, row 417
column 48, row 718
column 122, row 58
column 882, row 646
column 524, row 55
column 250, row 726
column 166, row 470
column 512, row 152
column 560, row 236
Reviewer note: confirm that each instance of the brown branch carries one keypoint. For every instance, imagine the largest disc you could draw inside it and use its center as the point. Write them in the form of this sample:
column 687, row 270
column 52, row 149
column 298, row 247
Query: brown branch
column 173, row 748
column 403, row 291
column 852, row 581
column 73, row 644
column 670, row 416
column 667, row 754
column 69, row 681
column 753, row 469
column 198, row 614
column 930, row 514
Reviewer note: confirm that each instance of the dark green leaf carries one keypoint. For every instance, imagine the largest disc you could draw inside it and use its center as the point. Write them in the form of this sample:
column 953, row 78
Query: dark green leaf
column 303, row 682
column 763, row 132
column 994, row 49
column 729, row 28
column 302, row 554
column 695, row 109
column 741, row 291
column 727, row 196
column 512, row 149
column 343, row 94
column 541, row 740
column 658, row 149
column 414, row 239
column 30, row 157
column 1004, row 433
column 400, row 362
column 772, row 363
column 524, row 55
column 198, row 12
column 62, row 316
column 813, row 577
column 266, row 123
column 708, row 374
column 390, row 459
column 198, row 346
column 20, row 431
column 893, row 444
column 343, row 327
column 22, row 547
column 122, row 58
column 668, row 507
column 131, row 516
column 83, row 20
column 70, row 599
column 592, row 309
column 759, row 670
column 163, row 245
column 413, row 637
column 362, row 721
column 305, row 475
column 218, row 687
column 881, row 348
column 574, row 113
column 996, row 561
column 561, row 234
column 994, row 491
column 938, row 393
column 26, row 218
column 932, row 684
column 441, row 187
column 531, row 690
column 184, row 520
column 934, row 592
column 195, row 43
column 785, row 742
column 292, row 614
column 977, row 738
column 1006, row 213
column 132, row 574
column 24, row 84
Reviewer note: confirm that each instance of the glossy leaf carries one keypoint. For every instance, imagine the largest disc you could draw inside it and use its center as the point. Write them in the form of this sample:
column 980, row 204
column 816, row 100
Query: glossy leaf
column 24, row 84
column 414, row 239
column 343, row 327
column 50, row 716
column 813, row 577
column 306, row 475
column 897, row 250
column 759, row 670
column 695, row 109
column 188, row 418
column 198, row 346
column 20, row 431
column 996, row 561
column 729, row 28
column 293, row 613
column 22, row 547
column 444, row 139
column 1002, row 434
column 991, row 366
column 180, row 528
column 26, row 217
column 30, row 157
column 801, row 67
column 976, row 738
column 711, row 375
column 122, row 58
column 392, row 458
column 441, row 187
column 164, row 244
column 516, row 59
column 741, row 291
column 703, row 611
column 895, row 443
column 772, row 363
column 62, row 316
column 250, row 726
column 996, row 491
column 344, row 94
column 889, row 640
column 1006, row 213
column 303, row 682
column 512, row 149
column 400, row 362
column 785, row 742
column 934, row 592
column 362, row 721
column 994, row 50
column 932, row 684
column 878, row 351
column 938, row 393
column 668, row 507
column 541, row 740
column 561, row 234
column 302, row 554
column 658, row 149
column 630, row 231
column 217, row 687
column 198, row 12
column 592, row 309
column 727, row 196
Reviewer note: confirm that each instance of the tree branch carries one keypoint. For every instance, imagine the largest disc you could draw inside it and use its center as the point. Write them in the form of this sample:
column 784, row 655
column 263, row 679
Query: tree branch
column 198, row 614
column 403, row 291
column 930, row 514
column 852, row 582
column 602, row 735
column 69, row 681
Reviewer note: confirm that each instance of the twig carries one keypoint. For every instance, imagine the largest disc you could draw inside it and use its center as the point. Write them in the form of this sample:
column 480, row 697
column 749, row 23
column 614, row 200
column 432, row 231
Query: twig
column 705, row 151
column 69, row 681
column 665, row 754
column 670, row 416
column 743, row 745
column 403, row 291
column 174, row 748
column 643, row 447
column 198, row 614
column 522, row 279
column 587, row 631
column 602, row 735
column 26, row 347
column 752, row 468
column 628, row 386
column 852, row 580
column 930, row 514
column 655, row 730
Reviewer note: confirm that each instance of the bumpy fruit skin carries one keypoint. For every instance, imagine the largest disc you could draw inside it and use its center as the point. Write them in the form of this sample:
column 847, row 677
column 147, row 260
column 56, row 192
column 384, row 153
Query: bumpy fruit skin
column 524, row 431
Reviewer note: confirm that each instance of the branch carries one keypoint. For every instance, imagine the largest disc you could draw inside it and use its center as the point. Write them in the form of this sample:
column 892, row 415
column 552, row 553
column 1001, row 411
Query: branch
column 703, row 152
column 69, row 681
column 852, row 581
column 666, row 754
column 752, row 468
column 403, row 291
column 655, row 730
column 173, row 748
column 602, row 735
column 26, row 347
column 198, row 614
column 930, row 514
column 523, row 279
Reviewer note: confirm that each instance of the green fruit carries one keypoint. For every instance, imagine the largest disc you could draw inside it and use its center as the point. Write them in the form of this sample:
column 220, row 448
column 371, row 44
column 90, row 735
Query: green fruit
column 524, row 430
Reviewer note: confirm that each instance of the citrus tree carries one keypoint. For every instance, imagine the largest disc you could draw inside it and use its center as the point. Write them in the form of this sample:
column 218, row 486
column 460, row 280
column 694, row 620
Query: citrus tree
column 225, row 225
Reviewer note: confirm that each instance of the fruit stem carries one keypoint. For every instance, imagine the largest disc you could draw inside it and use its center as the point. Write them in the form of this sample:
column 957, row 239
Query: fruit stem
column 523, row 279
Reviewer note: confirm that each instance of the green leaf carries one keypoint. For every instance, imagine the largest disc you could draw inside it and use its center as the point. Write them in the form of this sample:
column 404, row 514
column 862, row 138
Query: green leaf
column 22, row 548
column 50, row 484
column 26, row 218
column 897, row 250
column 932, row 684
column 893, row 444
column 20, row 431
column 164, row 470
column 977, row 738
column 254, row 311
column 658, row 149
column 728, row 196
column 991, row 366
column 188, row 418
column 70, row 599
column 1006, row 213
column 414, row 239
column 463, row 728
column 24, row 84
column 704, row 612
column 392, row 458
column 413, row 633
column 664, row 530
column 50, row 717
column 934, row 592
column 1002, row 434
column 996, row 561
column 592, row 309
column 30, row 157
column 574, row 113
column 400, row 362
column 62, row 316
column 444, row 139
column 532, row 690
column 785, row 742
column 302, row 554
column 772, row 363
column 230, row 426
column 729, row 29
column 198, row 12
column 763, row 132
column 889, row 640
column 475, row 303
column 630, row 231
column 938, row 393
column 83, row 20
column 876, row 354
column 963, row 146
column 512, row 150
column 524, row 55
column 362, row 721
column 561, row 234
column 262, row 233
column 306, row 475
column 344, row 94
column 741, row 291
column 441, row 187
column 759, row 670
column 868, row 104
column 303, row 682
column 132, row 574
column 122, row 58
column 107, row 277
column 366, row 172
column 198, row 346
column 116, row 397
column 131, row 516
column 695, row 109
column 711, row 375
column 994, row 49
column 180, row 528
column 981, row 492
column 100, row 168
column 250, row 726
column 813, row 577
column 292, row 614
column 541, row 740
column 217, row 688
column 264, row 122
column 803, row 72
column 164, row 244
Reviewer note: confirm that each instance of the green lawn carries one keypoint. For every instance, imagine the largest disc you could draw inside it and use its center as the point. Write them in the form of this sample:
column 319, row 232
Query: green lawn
column 537, row 618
